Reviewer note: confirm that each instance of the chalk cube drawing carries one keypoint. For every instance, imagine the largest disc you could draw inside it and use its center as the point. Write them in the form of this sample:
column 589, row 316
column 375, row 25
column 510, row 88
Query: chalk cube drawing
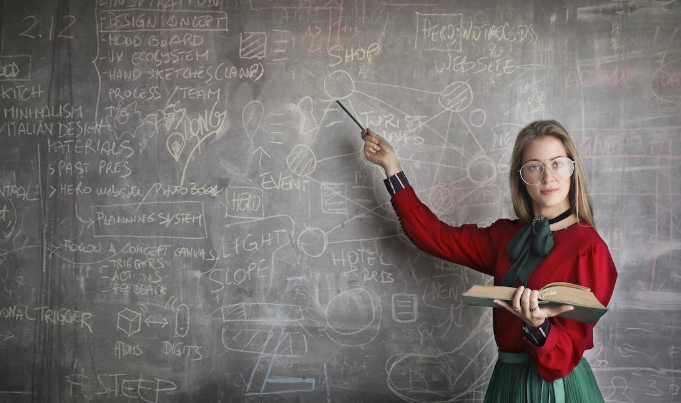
column 129, row 321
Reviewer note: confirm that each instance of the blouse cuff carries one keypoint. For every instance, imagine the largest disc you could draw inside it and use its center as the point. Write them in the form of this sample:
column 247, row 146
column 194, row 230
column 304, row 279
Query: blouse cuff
column 396, row 183
column 538, row 337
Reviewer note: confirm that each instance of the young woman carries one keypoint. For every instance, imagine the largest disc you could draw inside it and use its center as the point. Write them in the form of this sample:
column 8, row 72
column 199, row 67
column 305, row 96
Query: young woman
column 553, row 239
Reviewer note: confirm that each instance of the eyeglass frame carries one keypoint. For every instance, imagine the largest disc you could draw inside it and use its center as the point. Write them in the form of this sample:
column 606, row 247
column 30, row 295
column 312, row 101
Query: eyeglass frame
column 544, row 166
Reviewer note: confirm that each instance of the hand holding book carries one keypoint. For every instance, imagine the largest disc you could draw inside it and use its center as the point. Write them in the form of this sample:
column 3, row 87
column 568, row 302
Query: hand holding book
column 587, row 308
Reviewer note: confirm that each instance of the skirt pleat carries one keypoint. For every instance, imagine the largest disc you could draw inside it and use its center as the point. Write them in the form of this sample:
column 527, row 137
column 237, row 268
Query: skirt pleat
column 515, row 380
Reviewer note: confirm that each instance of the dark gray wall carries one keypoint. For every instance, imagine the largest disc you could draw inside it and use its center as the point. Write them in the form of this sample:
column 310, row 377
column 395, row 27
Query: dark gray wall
column 185, row 214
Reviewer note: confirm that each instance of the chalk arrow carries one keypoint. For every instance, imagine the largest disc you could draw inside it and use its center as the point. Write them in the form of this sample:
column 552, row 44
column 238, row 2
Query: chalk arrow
column 90, row 221
column 262, row 151
column 155, row 321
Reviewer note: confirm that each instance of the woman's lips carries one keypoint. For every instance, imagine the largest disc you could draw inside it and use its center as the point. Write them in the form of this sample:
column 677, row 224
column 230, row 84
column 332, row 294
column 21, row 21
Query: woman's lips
column 549, row 192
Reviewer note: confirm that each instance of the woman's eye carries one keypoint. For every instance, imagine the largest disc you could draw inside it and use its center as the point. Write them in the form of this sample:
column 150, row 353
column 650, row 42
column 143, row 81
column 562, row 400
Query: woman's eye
column 557, row 164
column 535, row 167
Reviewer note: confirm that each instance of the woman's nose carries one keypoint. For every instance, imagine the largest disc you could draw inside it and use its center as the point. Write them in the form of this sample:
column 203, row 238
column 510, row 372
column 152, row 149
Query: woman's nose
column 547, row 175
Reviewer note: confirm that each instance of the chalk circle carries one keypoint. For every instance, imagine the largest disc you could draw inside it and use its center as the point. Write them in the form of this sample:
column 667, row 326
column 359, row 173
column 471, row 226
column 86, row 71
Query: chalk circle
column 456, row 97
column 443, row 199
column 306, row 104
column 477, row 117
column 481, row 170
column 251, row 117
column 313, row 242
column 301, row 160
column 353, row 317
column 175, row 144
column 406, row 369
column 339, row 85
column 666, row 78
column 182, row 320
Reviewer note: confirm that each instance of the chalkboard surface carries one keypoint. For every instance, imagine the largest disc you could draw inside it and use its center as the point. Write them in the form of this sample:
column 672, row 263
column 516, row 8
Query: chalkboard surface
column 186, row 215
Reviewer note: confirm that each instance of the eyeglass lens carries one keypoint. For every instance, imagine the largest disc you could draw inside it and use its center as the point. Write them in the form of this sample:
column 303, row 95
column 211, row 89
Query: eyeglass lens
column 532, row 172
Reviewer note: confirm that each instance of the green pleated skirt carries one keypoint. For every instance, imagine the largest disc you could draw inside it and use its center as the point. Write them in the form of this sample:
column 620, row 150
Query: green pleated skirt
column 515, row 380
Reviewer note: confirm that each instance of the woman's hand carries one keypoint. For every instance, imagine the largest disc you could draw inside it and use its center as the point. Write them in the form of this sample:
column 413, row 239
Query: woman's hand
column 525, row 305
column 380, row 152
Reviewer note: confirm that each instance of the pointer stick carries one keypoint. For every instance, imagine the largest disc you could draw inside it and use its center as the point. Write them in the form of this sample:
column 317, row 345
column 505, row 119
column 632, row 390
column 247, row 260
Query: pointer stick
column 350, row 114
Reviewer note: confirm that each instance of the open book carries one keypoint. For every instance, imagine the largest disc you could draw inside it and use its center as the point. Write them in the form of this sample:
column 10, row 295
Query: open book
column 587, row 308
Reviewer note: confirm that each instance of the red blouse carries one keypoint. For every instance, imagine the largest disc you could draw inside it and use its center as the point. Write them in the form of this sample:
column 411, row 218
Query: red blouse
column 579, row 256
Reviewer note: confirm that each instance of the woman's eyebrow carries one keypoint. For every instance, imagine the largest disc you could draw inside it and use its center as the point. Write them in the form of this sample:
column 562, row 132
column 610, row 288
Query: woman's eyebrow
column 550, row 159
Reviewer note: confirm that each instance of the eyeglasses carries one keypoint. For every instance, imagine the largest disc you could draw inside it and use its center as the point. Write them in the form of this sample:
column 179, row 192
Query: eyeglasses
column 561, row 168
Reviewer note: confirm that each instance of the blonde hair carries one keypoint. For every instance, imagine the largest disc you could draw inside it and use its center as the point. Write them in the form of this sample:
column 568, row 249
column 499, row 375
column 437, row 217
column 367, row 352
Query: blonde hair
column 580, row 202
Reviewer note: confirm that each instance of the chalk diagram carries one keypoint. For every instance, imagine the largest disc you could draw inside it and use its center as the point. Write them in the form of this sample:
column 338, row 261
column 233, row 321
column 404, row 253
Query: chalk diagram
column 410, row 376
column 270, row 323
column 132, row 321
column 424, row 145
column 420, row 377
column 274, row 323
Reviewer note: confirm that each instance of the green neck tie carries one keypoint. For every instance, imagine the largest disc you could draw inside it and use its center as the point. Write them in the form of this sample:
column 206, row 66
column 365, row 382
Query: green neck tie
column 527, row 249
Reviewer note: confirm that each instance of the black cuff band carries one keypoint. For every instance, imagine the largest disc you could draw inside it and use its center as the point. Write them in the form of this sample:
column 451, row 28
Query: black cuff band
column 538, row 337
column 396, row 183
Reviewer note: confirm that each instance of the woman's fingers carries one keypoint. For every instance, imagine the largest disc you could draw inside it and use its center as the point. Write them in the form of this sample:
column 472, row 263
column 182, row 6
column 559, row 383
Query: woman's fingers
column 529, row 300
column 533, row 303
column 371, row 142
column 378, row 151
column 371, row 149
column 517, row 303
column 525, row 299
column 525, row 305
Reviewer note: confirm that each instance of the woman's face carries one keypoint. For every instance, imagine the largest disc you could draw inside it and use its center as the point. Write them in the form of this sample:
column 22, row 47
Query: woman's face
column 550, row 197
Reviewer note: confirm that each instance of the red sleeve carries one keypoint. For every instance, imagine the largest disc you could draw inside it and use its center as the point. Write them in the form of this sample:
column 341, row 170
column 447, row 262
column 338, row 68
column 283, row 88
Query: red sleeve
column 567, row 339
column 467, row 245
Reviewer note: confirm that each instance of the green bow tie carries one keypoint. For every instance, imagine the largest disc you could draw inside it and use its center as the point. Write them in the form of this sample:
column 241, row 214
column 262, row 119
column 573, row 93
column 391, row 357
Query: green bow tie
column 527, row 249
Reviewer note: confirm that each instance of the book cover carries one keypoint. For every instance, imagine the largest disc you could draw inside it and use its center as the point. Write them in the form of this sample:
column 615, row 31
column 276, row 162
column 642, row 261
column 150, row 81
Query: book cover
column 587, row 308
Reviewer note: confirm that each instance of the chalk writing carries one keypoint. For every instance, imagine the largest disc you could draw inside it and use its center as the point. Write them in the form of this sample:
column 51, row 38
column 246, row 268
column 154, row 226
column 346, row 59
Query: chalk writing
column 43, row 314
column 186, row 214
column 149, row 220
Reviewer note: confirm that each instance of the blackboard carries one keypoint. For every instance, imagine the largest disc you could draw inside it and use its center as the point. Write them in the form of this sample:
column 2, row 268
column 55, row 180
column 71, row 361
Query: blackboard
column 186, row 216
